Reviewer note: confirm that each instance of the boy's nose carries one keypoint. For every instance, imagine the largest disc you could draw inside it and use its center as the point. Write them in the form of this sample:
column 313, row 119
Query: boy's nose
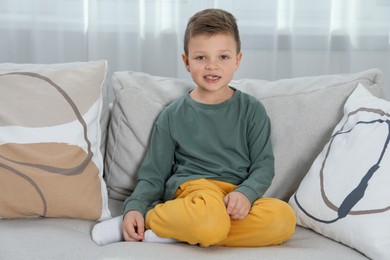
column 211, row 65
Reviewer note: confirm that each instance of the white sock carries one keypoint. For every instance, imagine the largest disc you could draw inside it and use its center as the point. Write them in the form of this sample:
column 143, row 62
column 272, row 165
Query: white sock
column 108, row 231
column 150, row 236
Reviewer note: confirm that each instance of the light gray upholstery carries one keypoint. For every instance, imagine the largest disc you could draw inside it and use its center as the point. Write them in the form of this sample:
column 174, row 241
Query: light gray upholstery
column 50, row 239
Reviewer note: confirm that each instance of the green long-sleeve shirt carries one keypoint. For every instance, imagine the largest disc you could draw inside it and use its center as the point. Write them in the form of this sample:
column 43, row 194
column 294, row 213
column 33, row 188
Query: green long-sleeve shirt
column 228, row 142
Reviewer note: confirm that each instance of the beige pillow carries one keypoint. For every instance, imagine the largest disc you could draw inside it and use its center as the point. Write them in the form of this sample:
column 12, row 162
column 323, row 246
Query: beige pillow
column 303, row 112
column 51, row 120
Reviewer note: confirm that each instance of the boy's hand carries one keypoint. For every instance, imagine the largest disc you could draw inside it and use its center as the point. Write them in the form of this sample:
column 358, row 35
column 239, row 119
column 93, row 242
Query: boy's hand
column 133, row 226
column 237, row 205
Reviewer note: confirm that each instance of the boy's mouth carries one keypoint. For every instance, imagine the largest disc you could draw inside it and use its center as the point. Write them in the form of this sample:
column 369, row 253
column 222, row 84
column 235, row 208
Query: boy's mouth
column 212, row 77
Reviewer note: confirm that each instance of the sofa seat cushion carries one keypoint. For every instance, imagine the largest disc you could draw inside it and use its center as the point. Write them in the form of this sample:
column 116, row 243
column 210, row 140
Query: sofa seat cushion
column 52, row 238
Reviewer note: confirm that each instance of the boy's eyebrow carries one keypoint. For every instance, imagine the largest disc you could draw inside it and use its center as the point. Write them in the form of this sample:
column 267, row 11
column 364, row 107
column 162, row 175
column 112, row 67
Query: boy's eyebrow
column 198, row 52
column 205, row 51
column 228, row 50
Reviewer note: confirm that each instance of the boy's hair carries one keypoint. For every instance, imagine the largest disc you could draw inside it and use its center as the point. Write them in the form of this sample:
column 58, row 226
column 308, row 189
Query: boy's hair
column 212, row 22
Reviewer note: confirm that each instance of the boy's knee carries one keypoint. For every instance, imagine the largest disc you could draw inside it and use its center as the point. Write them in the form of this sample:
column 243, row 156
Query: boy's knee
column 210, row 230
column 211, row 223
column 199, row 220
column 286, row 219
column 270, row 222
column 281, row 219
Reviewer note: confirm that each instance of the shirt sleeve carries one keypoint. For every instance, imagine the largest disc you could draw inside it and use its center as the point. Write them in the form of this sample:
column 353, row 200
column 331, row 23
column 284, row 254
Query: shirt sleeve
column 261, row 170
column 155, row 169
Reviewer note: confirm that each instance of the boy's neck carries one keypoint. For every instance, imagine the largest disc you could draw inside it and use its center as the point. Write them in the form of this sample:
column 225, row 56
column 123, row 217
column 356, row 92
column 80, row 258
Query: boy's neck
column 212, row 98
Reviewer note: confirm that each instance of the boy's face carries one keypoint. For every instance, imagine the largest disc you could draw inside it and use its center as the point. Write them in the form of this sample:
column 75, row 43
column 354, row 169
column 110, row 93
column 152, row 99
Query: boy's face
column 212, row 61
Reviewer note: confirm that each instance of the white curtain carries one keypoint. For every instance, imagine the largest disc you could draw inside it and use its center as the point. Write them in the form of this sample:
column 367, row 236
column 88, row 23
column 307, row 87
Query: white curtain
column 280, row 38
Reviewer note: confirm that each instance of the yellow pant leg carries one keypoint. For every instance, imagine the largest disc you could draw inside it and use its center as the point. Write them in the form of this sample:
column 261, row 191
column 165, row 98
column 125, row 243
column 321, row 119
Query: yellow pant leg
column 197, row 215
column 270, row 222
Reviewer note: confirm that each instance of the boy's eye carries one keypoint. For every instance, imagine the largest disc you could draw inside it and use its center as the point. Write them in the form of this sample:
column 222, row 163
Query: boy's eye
column 200, row 58
column 224, row 57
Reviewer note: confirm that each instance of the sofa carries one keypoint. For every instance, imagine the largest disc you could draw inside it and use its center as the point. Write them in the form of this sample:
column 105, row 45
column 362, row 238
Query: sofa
column 110, row 135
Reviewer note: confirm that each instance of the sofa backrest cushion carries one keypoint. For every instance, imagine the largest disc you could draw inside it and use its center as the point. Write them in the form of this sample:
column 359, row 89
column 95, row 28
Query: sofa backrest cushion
column 303, row 113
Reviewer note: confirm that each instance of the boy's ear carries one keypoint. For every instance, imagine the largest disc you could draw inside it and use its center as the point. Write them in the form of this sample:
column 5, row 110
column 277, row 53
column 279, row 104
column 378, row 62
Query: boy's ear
column 186, row 62
column 238, row 60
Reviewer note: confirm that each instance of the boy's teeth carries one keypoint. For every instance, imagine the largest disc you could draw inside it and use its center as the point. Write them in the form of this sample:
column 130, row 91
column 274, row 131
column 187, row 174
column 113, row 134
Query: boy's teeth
column 212, row 77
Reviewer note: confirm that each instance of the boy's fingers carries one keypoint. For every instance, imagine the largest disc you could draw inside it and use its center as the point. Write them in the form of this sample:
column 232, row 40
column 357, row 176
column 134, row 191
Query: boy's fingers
column 128, row 234
column 231, row 204
column 226, row 200
column 140, row 228
column 236, row 207
column 133, row 227
column 133, row 236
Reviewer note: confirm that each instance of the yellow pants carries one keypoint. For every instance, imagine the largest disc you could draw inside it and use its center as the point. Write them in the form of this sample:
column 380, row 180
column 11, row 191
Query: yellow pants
column 198, row 215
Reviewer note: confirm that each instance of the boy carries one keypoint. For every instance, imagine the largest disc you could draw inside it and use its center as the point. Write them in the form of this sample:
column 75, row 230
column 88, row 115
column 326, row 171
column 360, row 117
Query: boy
column 210, row 157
